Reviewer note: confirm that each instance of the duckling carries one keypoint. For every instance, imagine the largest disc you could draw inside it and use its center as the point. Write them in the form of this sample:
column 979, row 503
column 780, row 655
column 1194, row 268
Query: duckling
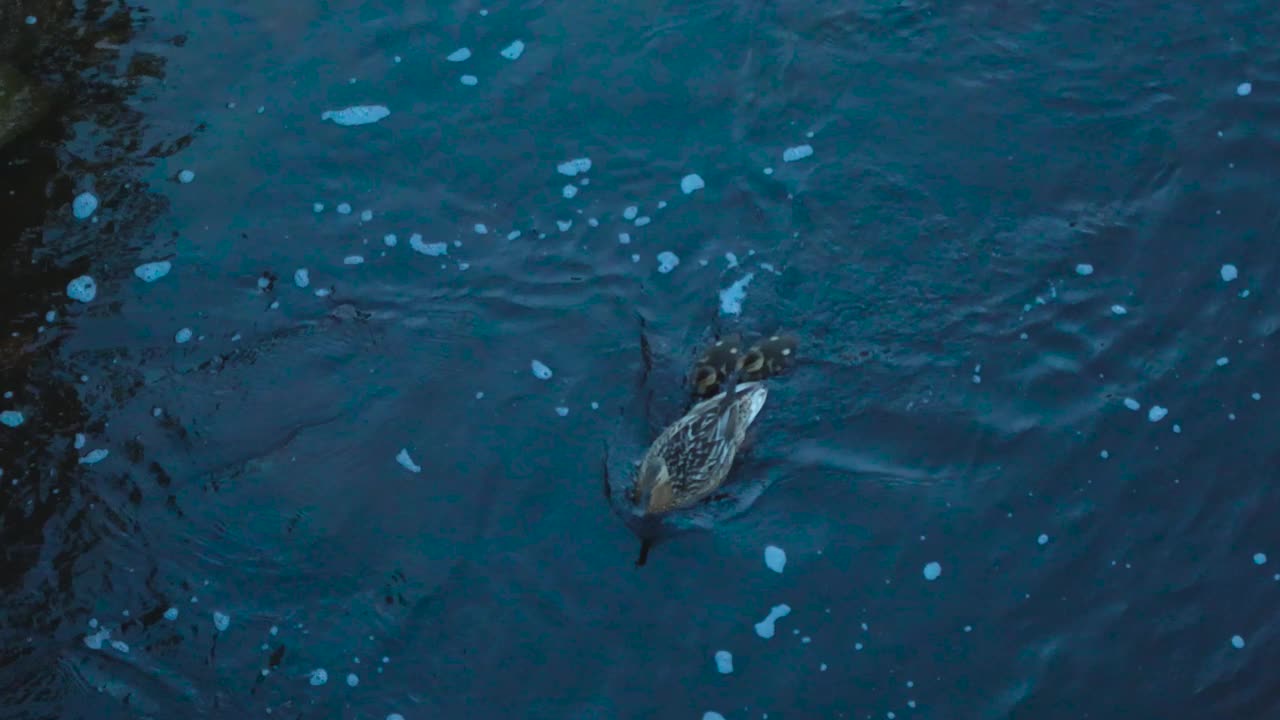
column 715, row 365
column 692, row 457
column 768, row 357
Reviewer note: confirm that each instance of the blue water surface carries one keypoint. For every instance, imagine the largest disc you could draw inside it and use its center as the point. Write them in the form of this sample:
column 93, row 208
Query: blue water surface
column 1032, row 263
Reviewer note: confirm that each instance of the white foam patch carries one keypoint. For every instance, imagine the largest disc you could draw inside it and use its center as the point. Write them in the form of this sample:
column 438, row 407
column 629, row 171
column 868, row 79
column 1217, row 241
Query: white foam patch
column 95, row 641
column 564, row 225
column 435, row 249
column 356, row 115
column 84, row 205
column 562, row 411
column 1259, row 558
column 1084, row 269
column 459, row 55
column 344, row 208
column 767, row 627
column 630, row 212
column 667, row 261
column 513, row 51
column 1244, row 89
column 390, row 240
column 12, row 418
column 82, row 289
column 153, row 271
column 724, row 661
column 731, row 297
column 1229, row 272
column 1043, row 539
column 186, row 176
column 407, row 462
column 1157, row 413
column 775, row 558
column 712, row 715
column 798, row 152
column 353, row 260
column 469, row 80
column 540, row 370
column 1237, row 642
column 352, row 680
column 691, row 183
column 1132, row 404
column 574, row 166
column 301, row 277
column 95, row 456
column 642, row 220
column 171, row 614
column 569, row 191
column 318, row 677
column 1119, row 310
column 932, row 571
column 221, row 621
column 182, row 336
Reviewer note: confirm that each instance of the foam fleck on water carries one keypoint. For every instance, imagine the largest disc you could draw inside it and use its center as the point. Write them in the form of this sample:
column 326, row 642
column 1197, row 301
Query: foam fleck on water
column 1256, row 396
column 630, row 212
column 1157, row 413
column 798, row 152
column 95, row 456
column 1237, row 642
column 1229, row 272
column 366, row 215
column 574, row 166
column 82, row 289
column 1119, row 310
column 435, row 249
column 562, row 411
column 221, row 621
column 1043, row 539
column 1222, row 361
column 513, row 51
column 182, row 336
column 469, row 80
column 540, row 370
column 1084, row 269
column 390, row 240
column 11, row 418
column 1259, row 558
column 569, row 191
column 564, row 225
column 642, row 221
column 80, row 441
column 691, row 183
column 1132, row 404
column 667, row 261
column 712, row 715
column 153, row 271
column 767, row 627
column 356, row 115
column 301, row 277
column 731, row 297
column 171, row 614
column 775, row 558
column 344, row 208
column 724, row 661
column 317, row 207
column 318, row 677
column 353, row 260
column 932, row 571
column 459, row 55
column 407, row 462
column 352, row 680
column 1244, row 89
column 624, row 238
column 186, row 176
column 84, row 205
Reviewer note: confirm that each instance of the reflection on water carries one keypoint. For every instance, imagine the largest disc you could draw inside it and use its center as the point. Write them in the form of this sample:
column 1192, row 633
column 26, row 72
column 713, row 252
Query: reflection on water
column 355, row 451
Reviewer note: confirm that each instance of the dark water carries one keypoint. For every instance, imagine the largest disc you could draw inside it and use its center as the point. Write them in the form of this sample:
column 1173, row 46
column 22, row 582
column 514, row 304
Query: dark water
column 960, row 380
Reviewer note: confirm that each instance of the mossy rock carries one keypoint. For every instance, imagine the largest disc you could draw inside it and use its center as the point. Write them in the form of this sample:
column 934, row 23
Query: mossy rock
column 22, row 104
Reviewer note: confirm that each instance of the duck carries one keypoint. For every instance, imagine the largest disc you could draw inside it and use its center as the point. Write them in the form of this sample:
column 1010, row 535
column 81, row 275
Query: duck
column 714, row 365
column 767, row 358
column 691, row 458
